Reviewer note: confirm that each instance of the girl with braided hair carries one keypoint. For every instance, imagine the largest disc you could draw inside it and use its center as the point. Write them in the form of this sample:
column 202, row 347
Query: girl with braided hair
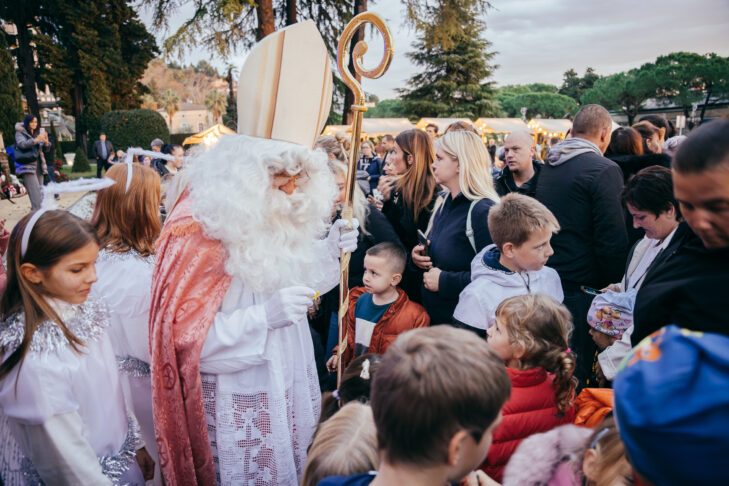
column 531, row 334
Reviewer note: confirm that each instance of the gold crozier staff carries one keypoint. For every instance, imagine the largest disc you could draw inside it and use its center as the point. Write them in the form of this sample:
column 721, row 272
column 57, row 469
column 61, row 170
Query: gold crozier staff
column 358, row 109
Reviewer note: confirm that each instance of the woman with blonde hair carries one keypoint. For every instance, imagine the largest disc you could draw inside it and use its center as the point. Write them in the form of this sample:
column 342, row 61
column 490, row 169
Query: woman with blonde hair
column 369, row 165
column 344, row 445
column 459, row 227
column 127, row 222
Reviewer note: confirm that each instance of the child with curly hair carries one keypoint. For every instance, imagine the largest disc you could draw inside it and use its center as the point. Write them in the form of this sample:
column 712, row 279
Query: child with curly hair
column 530, row 335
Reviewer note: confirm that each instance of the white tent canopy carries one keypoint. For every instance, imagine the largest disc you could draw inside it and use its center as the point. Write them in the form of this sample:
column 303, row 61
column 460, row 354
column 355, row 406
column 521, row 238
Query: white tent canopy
column 550, row 126
column 442, row 123
column 373, row 127
column 501, row 125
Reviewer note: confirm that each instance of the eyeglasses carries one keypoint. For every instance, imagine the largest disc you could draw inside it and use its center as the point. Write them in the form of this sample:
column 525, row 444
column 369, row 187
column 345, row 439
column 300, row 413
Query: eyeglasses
column 282, row 178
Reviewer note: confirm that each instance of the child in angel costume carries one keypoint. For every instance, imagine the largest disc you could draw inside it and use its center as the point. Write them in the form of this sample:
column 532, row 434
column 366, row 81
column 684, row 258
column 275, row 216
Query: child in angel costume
column 127, row 222
column 64, row 419
column 241, row 256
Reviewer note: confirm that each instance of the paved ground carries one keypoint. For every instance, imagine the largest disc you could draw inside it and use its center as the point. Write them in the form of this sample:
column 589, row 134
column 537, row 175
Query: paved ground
column 15, row 212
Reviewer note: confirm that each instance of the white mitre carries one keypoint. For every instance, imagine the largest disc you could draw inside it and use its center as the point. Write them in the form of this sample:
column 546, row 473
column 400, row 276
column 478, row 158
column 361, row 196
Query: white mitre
column 284, row 96
column 285, row 86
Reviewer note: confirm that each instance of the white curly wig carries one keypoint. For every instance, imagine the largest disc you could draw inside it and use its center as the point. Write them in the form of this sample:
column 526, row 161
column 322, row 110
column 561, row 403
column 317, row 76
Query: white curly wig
column 269, row 235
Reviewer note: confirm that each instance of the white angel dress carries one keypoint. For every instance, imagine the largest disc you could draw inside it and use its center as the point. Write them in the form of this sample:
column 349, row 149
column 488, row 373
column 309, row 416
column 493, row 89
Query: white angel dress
column 64, row 419
column 260, row 388
column 124, row 284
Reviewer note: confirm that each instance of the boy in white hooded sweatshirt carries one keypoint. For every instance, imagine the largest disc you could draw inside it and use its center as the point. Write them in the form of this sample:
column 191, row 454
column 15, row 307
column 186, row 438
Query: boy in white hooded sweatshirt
column 521, row 228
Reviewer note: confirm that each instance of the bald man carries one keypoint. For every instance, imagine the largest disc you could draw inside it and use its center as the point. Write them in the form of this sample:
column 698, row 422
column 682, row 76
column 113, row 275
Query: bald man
column 521, row 170
column 582, row 188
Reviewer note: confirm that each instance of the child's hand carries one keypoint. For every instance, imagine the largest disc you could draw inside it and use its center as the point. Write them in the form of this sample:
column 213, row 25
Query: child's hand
column 2, row 225
column 376, row 203
column 332, row 364
column 419, row 259
column 146, row 464
column 430, row 279
column 478, row 478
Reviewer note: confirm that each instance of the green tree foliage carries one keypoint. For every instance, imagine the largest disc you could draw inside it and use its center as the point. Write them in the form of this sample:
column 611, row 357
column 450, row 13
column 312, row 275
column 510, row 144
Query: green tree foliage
column 574, row 86
column 134, row 128
column 454, row 60
column 11, row 108
column 81, row 162
column 624, row 91
column 92, row 65
column 544, row 105
column 216, row 101
column 686, row 77
column 387, row 109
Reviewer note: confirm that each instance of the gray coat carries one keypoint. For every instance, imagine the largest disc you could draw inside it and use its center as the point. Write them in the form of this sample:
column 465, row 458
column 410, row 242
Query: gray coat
column 25, row 141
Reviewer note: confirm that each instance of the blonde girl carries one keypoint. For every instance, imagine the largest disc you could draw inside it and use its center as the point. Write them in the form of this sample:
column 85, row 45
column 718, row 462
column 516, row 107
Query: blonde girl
column 530, row 335
column 344, row 445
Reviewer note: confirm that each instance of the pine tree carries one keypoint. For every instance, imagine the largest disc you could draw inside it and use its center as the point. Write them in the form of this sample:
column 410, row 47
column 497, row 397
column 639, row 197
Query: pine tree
column 454, row 60
column 11, row 108
column 92, row 65
column 80, row 162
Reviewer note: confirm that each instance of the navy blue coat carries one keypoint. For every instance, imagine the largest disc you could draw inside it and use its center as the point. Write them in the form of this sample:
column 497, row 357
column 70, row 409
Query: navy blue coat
column 451, row 252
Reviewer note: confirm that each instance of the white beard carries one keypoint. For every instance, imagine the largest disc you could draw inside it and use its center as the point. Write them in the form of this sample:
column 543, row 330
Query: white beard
column 268, row 235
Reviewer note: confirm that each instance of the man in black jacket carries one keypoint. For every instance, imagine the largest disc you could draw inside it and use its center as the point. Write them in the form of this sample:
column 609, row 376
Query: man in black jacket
column 688, row 283
column 521, row 170
column 582, row 188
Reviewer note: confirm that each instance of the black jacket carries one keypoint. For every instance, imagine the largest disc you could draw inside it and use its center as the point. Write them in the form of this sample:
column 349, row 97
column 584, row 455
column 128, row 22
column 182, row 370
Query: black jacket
column 451, row 252
column 402, row 221
column 686, row 285
column 584, row 194
column 631, row 164
column 505, row 182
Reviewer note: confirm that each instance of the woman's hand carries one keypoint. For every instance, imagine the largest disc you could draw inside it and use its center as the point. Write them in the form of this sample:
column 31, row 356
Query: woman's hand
column 430, row 279
column 613, row 287
column 385, row 187
column 420, row 259
column 375, row 202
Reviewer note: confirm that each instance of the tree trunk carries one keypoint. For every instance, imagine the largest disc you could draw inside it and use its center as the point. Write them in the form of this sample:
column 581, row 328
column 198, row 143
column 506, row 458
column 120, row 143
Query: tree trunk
column 706, row 102
column 359, row 7
column 26, row 63
column 78, row 114
column 266, row 24
column 290, row 12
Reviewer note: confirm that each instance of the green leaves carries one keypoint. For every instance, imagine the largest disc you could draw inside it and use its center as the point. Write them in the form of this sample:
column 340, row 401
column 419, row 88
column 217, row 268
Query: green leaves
column 454, row 60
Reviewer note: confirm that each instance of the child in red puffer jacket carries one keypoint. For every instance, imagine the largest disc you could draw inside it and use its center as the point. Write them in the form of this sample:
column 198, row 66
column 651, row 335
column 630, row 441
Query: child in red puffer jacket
column 530, row 335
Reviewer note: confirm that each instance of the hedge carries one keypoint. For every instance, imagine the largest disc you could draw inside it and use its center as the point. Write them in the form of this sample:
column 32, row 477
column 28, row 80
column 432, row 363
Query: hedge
column 133, row 128
column 81, row 162
column 178, row 138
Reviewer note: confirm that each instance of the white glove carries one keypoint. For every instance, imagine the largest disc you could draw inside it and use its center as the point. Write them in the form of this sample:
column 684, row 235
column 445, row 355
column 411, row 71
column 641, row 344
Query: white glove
column 342, row 238
column 288, row 306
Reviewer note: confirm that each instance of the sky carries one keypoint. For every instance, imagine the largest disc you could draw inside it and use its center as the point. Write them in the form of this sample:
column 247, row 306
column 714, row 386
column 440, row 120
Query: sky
column 538, row 40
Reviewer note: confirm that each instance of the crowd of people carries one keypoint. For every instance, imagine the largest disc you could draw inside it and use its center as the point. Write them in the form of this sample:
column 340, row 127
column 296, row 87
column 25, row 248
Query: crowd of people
column 489, row 309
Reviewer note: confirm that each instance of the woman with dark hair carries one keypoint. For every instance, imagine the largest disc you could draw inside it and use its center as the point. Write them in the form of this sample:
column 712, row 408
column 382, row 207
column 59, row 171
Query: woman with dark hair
column 649, row 198
column 30, row 143
column 409, row 193
column 628, row 151
column 660, row 121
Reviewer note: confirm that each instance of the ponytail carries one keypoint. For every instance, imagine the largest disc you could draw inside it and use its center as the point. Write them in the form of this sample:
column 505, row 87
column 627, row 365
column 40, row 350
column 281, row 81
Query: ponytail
column 355, row 385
